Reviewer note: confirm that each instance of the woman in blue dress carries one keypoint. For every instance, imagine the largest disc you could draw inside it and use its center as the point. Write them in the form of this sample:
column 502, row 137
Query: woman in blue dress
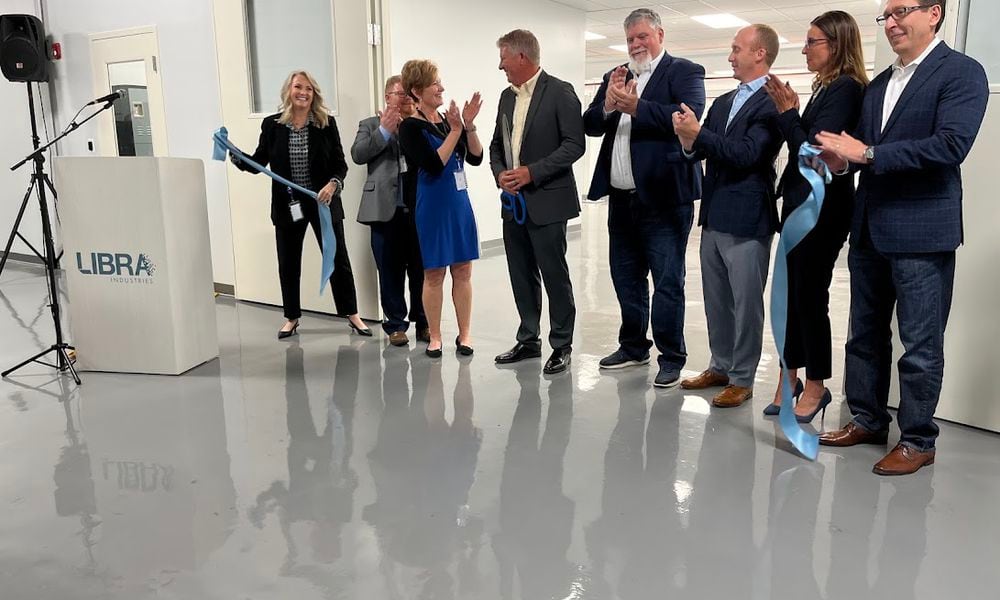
column 437, row 146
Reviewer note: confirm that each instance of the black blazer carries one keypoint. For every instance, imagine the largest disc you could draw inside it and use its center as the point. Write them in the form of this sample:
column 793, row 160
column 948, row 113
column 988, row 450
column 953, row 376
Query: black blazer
column 662, row 177
column 835, row 108
column 551, row 142
column 739, row 186
column 326, row 161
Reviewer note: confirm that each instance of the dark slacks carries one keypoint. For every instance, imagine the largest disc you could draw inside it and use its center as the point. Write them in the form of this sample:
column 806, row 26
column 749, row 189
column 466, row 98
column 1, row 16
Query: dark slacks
column 649, row 240
column 289, row 244
column 919, row 286
column 397, row 256
column 808, row 340
column 536, row 255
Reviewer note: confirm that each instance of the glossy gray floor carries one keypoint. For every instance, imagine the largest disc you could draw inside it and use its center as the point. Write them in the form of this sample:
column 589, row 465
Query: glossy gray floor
column 337, row 467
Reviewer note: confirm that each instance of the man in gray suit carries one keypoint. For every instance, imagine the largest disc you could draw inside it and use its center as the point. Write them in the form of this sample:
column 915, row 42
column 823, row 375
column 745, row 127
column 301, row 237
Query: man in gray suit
column 387, row 208
column 538, row 137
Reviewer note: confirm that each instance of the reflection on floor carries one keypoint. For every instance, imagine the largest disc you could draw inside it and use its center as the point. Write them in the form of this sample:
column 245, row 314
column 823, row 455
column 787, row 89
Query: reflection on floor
column 338, row 467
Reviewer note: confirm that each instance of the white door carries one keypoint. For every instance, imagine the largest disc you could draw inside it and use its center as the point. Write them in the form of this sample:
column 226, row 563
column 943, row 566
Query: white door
column 259, row 42
column 128, row 61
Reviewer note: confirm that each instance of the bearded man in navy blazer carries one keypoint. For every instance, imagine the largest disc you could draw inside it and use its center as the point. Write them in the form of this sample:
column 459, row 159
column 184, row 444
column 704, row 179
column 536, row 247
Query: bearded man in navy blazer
column 651, row 190
column 739, row 141
column 918, row 122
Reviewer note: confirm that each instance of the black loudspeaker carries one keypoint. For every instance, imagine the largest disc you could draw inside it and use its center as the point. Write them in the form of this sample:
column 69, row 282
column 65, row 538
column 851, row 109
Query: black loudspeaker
column 23, row 55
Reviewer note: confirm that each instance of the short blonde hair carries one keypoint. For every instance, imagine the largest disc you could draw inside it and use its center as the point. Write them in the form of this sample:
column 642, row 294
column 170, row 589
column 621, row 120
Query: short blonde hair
column 320, row 113
column 766, row 38
column 522, row 41
column 417, row 75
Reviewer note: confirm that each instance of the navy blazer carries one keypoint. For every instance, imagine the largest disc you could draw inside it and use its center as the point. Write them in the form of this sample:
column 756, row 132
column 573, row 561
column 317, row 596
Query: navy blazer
column 912, row 193
column 552, row 140
column 662, row 176
column 739, row 197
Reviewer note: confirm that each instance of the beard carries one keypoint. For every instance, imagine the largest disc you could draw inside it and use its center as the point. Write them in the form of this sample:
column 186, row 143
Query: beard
column 640, row 65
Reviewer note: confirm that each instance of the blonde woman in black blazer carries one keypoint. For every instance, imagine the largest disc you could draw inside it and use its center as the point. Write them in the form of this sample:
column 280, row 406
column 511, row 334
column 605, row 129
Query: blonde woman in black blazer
column 302, row 144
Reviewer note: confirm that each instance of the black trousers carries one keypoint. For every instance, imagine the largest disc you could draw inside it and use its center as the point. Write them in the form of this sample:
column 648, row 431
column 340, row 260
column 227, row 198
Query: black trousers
column 536, row 254
column 289, row 244
column 397, row 256
column 810, row 270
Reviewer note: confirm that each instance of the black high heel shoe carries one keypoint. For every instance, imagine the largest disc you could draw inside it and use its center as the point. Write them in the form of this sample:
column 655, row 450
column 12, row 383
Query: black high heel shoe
column 463, row 349
column 824, row 400
column 287, row 334
column 772, row 409
column 367, row 332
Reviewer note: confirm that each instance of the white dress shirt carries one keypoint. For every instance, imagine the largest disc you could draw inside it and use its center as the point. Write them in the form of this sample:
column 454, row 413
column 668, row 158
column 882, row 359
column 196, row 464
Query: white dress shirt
column 621, row 152
column 899, row 79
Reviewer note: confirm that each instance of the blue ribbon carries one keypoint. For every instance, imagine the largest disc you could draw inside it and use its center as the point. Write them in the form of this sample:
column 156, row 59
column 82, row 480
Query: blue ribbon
column 795, row 228
column 223, row 145
column 516, row 205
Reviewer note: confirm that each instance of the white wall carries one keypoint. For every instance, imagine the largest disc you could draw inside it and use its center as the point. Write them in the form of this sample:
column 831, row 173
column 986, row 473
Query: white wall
column 460, row 36
column 15, row 133
column 185, row 29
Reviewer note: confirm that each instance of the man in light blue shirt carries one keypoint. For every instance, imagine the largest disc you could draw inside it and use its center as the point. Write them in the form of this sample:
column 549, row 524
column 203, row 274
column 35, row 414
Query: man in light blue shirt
column 739, row 142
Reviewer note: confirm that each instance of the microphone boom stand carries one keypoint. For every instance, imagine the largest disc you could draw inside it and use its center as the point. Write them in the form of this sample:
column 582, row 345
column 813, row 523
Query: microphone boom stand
column 39, row 181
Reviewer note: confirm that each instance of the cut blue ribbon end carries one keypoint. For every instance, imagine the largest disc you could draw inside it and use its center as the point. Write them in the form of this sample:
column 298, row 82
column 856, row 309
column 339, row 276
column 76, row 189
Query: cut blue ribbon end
column 795, row 228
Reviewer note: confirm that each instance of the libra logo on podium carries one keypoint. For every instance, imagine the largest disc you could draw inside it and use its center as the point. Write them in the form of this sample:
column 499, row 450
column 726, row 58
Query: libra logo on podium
column 119, row 267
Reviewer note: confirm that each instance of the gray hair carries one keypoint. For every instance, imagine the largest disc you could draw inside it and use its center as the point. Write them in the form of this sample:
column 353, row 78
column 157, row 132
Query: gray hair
column 522, row 41
column 643, row 14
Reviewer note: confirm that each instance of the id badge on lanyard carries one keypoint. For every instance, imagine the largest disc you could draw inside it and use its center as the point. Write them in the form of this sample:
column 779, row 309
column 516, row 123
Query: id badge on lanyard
column 460, row 182
column 294, row 207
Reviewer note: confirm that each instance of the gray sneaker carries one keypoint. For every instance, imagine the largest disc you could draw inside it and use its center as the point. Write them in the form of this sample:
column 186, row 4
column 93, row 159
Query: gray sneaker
column 667, row 378
column 619, row 360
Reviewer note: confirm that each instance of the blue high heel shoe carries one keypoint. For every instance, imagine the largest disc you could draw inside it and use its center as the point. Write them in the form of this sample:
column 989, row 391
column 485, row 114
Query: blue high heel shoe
column 823, row 402
column 772, row 410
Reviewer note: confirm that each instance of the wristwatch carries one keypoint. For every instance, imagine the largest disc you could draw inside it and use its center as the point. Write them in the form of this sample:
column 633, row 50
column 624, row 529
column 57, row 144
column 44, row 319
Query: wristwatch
column 870, row 154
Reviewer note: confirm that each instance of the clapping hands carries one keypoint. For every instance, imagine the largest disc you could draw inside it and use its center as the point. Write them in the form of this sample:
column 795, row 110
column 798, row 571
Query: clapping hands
column 686, row 126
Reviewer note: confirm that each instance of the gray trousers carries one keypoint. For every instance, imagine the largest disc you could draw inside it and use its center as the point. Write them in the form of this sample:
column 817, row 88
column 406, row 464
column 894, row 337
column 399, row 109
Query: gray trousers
column 733, row 276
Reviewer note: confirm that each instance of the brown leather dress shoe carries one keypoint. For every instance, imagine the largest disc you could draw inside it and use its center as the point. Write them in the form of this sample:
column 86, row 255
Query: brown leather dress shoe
column 398, row 338
column 852, row 434
column 903, row 460
column 732, row 396
column 706, row 379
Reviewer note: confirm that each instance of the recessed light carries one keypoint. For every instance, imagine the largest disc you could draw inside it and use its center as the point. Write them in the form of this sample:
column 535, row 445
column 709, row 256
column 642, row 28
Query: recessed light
column 620, row 48
column 721, row 21
column 590, row 36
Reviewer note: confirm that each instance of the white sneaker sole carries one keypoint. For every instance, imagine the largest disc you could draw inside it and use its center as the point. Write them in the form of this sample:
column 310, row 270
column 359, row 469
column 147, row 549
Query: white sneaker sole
column 671, row 384
column 626, row 364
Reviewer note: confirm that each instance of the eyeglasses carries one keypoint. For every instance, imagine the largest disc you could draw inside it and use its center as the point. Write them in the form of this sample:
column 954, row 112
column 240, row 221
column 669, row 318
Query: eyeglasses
column 900, row 13
column 401, row 94
column 813, row 42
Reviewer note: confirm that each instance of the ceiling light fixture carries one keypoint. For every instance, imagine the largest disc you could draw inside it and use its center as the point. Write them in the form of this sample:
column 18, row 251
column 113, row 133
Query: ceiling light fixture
column 720, row 21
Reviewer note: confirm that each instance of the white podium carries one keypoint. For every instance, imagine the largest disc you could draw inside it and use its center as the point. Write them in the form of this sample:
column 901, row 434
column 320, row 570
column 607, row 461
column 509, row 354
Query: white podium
column 138, row 263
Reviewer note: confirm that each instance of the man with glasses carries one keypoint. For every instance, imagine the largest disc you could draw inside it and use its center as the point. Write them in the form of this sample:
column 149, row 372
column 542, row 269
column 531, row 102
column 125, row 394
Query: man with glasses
column 919, row 120
column 387, row 208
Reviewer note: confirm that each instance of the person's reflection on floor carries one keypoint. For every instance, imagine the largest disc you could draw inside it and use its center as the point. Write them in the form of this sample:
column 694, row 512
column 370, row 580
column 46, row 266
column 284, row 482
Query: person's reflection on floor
column 424, row 467
column 633, row 545
column 536, row 518
column 321, row 483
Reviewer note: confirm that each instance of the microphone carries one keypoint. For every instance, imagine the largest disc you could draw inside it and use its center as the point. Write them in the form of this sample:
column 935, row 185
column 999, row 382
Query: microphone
column 109, row 98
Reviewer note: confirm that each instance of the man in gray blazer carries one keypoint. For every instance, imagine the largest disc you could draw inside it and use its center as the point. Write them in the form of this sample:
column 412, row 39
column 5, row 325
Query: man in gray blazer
column 387, row 208
column 538, row 137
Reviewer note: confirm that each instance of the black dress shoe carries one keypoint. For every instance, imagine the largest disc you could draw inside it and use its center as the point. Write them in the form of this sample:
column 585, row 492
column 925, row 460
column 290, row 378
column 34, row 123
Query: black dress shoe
column 282, row 334
column 518, row 353
column 559, row 361
column 367, row 332
column 462, row 348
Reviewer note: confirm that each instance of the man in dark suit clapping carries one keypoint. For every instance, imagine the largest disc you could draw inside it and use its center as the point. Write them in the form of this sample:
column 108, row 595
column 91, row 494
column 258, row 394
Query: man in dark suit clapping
column 739, row 142
column 651, row 190
column 538, row 137
column 919, row 120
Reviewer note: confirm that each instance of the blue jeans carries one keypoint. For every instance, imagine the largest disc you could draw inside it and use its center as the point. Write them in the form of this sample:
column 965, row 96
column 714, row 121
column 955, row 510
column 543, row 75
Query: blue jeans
column 397, row 256
column 920, row 288
column 649, row 240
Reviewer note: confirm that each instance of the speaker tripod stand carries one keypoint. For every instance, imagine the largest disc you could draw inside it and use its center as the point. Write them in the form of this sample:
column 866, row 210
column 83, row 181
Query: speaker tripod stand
column 39, row 182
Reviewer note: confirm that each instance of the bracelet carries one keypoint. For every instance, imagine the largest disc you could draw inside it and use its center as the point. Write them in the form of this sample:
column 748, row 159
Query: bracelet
column 471, row 129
